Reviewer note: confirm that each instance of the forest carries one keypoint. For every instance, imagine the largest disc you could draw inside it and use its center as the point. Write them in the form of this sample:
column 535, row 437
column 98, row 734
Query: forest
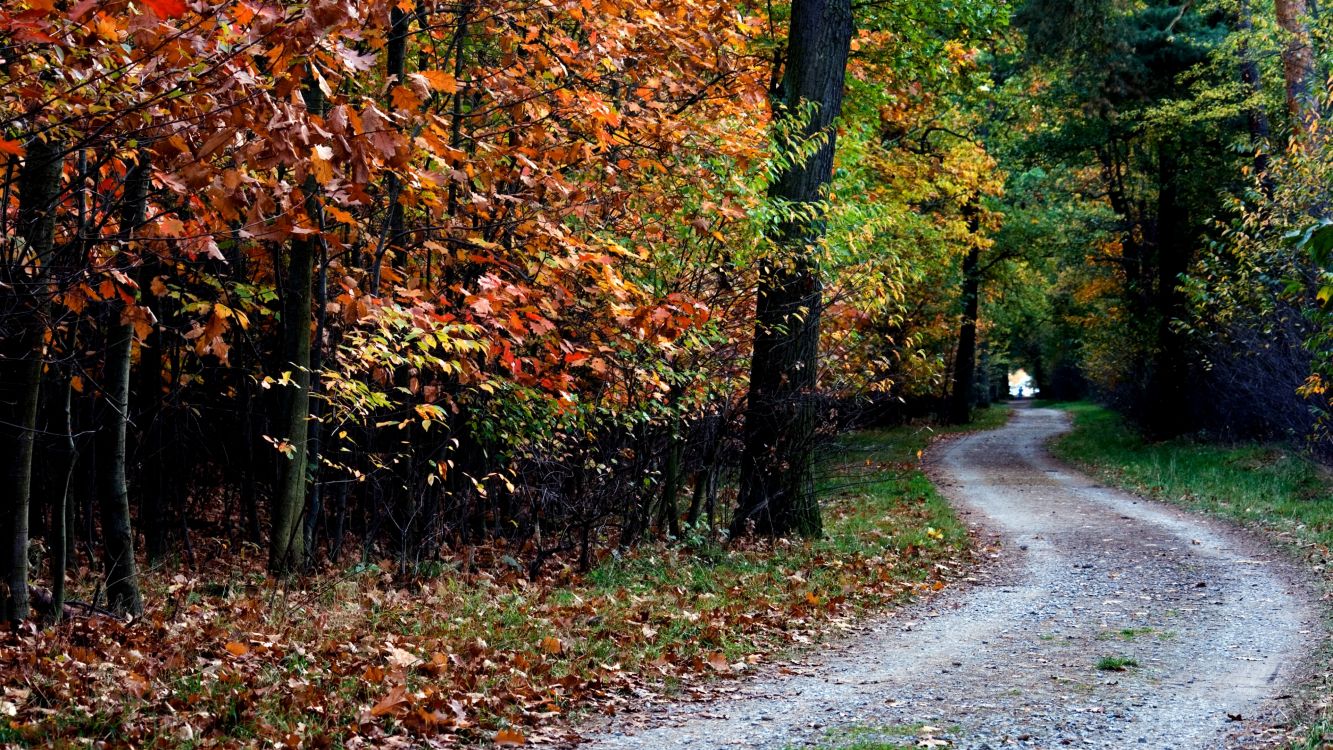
column 311, row 301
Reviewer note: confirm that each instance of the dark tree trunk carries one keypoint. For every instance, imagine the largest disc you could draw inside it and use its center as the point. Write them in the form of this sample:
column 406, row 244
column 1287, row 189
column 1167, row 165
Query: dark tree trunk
column 1166, row 406
column 21, row 363
column 668, row 517
column 965, row 363
column 62, row 425
column 287, row 541
column 122, row 582
column 777, row 484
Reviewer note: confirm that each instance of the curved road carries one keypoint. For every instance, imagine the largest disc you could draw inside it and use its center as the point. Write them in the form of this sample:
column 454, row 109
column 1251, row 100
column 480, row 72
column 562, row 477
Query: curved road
column 1219, row 626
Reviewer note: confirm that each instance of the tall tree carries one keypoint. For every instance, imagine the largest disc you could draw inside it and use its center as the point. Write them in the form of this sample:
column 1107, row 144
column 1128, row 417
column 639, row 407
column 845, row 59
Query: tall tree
column 287, row 540
column 965, row 360
column 777, row 485
column 122, row 585
column 21, row 360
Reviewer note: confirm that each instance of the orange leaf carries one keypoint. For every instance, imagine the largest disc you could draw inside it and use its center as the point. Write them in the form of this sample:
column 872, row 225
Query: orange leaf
column 812, row 599
column 237, row 649
column 11, row 147
column 510, row 738
column 394, row 702
column 440, row 81
column 719, row 663
column 552, row 645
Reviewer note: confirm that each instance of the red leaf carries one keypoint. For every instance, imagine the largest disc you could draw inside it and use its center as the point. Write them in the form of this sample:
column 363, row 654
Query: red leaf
column 167, row 8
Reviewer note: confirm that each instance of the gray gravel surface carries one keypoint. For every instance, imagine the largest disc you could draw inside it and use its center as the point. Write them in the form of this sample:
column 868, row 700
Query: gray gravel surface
column 1219, row 624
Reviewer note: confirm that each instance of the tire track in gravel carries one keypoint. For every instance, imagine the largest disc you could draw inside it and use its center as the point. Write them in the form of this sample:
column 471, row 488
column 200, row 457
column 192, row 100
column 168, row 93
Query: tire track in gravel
column 1220, row 625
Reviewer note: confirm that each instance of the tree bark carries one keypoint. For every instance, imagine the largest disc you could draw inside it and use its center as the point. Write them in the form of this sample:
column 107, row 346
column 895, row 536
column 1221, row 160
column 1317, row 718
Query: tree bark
column 63, row 474
column 1297, row 62
column 21, row 363
column 1167, row 404
column 122, row 584
column 777, row 484
column 287, row 538
column 965, row 363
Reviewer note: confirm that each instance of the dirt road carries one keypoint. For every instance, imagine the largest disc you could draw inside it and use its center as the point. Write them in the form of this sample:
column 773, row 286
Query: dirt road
column 1217, row 623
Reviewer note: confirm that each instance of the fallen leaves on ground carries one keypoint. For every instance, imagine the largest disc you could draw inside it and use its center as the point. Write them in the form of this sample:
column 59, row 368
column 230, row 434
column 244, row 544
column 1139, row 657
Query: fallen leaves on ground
column 381, row 657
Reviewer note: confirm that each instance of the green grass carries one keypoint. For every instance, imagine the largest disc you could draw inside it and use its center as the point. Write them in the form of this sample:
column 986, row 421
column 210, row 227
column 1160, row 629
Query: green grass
column 893, row 737
column 1266, row 485
column 1116, row 663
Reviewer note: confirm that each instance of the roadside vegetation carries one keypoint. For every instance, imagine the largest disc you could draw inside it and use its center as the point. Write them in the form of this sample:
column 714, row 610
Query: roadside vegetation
column 1273, row 486
column 486, row 653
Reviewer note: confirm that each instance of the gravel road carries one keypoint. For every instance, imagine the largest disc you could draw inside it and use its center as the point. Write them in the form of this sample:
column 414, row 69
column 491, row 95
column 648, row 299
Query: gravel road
column 1219, row 625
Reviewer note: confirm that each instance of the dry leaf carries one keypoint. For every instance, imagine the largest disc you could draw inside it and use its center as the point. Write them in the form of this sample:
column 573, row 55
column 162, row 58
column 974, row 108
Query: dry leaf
column 394, row 702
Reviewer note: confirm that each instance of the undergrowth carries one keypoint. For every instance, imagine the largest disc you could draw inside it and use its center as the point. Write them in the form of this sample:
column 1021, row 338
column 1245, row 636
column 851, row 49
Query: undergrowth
column 369, row 657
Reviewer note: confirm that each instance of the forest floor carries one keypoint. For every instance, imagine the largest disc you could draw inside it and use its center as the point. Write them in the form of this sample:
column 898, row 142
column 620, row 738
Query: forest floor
column 1108, row 621
column 470, row 650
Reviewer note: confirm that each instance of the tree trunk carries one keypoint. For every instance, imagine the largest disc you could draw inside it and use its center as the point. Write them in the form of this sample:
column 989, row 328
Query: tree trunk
column 1257, row 119
column 122, row 585
column 287, row 540
column 1297, row 62
column 395, row 60
column 21, row 363
column 668, row 516
column 63, row 474
column 1167, row 408
column 777, row 484
column 965, row 363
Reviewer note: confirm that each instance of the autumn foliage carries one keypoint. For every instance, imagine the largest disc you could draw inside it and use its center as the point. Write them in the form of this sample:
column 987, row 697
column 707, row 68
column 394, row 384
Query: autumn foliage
column 463, row 285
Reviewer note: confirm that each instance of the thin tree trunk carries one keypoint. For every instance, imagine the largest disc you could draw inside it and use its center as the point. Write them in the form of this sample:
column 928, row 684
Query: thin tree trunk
column 395, row 62
column 287, row 540
column 63, row 476
column 21, row 365
column 965, row 363
column 122, row 586
column 668, row 518
column 777, row 480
